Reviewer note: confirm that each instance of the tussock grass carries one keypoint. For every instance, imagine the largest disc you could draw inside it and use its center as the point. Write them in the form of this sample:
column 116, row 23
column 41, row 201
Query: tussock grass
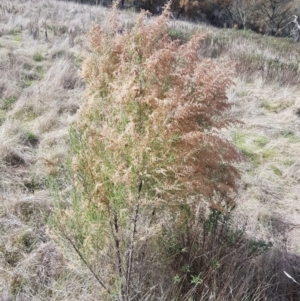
column 39, row 99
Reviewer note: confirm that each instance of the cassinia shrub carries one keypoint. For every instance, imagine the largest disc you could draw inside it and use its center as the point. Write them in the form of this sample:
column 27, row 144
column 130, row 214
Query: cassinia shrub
column 146, row 150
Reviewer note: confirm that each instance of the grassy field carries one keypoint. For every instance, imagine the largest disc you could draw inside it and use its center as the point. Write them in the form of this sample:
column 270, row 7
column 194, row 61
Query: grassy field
column 42, row 46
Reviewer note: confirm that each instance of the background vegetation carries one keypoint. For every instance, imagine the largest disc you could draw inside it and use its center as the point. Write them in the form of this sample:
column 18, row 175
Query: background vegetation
column 271, row 17
column 42, row 49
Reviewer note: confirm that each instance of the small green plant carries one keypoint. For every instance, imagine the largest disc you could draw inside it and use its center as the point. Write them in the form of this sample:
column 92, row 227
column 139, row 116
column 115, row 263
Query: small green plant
column 259, row 246
column 176, row 279
column 276, row 170
column 196, row 279
column 234, row 236
column 38, row 57
column 211, row 222
column 186, row 268
column 32, row 138
column 215, row 264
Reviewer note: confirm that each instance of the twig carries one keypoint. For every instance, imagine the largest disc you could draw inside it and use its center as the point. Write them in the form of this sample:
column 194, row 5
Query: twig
column 84, row 261
column 134, row 222
column 294, row 21
column 289, row 276
column 115, row 232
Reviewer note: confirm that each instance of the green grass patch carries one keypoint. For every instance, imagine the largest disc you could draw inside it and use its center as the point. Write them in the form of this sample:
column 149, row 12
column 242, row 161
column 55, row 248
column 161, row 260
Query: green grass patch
column 240, row 140
column 261, row 141
column 180, row 34
column 286, row 133
column 253, row 146
column 289, row 162
column 16, row 35
column 275, row 107
column 290, row 135
column 268, row 154
column 78, row 60
column 294, row 139
column 27, row 83
column 7, row 103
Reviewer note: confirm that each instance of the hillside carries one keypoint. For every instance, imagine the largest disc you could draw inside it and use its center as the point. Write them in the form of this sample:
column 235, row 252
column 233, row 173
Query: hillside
column 42, row 47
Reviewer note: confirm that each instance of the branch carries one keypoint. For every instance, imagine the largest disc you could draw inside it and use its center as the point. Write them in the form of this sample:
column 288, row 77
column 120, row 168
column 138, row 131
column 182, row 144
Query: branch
column 115, row 227
column 84, row 261
column 134, row 222
column 243, row 17
column 294, row 21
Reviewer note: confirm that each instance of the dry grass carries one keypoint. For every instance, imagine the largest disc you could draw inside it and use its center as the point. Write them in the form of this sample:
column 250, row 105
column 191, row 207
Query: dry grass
column 40, row 92
column 270, row 141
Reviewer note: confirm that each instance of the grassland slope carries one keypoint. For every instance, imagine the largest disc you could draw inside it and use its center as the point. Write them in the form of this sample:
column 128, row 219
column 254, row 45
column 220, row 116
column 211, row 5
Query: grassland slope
column 42, row 45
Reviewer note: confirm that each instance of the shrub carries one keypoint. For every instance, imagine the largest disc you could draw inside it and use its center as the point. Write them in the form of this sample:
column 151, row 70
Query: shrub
column 147, row 151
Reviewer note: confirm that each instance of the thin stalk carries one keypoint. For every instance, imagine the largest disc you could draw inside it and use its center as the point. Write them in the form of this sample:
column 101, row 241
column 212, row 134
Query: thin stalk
column 130, row 255
column 85, row 261
column 115, row 232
